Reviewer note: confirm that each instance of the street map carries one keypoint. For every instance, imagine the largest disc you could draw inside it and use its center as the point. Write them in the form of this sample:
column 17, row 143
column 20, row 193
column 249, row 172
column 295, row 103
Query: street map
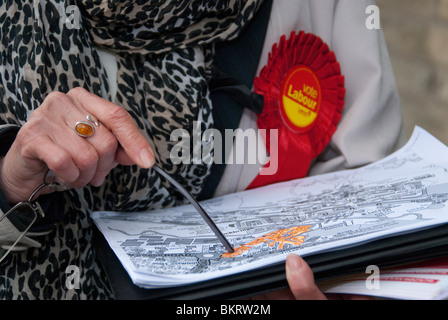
column 406, row 191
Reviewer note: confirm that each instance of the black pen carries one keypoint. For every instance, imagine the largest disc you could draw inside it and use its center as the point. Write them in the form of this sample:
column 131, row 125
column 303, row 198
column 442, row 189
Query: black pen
column 197, row 206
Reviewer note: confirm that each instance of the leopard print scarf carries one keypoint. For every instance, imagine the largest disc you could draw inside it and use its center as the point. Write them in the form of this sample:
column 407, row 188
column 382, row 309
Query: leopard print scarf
column 164, row 64
column 164, row 51
column 164, row 55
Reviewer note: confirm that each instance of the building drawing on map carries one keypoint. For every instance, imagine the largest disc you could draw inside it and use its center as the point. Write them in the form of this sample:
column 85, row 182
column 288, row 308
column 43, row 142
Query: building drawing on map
column 399, row 193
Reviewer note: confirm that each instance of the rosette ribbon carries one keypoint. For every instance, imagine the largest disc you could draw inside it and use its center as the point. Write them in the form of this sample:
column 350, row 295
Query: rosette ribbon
column 304, row 92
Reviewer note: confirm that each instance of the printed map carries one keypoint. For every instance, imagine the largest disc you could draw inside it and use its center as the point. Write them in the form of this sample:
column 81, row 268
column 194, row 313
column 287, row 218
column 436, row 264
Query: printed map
column 407, row 190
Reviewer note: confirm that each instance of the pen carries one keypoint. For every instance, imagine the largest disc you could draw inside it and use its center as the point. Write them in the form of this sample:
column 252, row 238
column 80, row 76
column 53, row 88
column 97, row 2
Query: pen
column 197, row 206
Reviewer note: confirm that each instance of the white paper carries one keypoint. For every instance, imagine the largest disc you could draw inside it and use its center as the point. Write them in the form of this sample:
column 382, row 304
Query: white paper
column 406, row 191
column 424, row 282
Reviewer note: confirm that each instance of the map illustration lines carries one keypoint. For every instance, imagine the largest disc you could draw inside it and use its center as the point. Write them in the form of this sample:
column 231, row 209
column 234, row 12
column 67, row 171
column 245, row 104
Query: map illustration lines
column 405, row 191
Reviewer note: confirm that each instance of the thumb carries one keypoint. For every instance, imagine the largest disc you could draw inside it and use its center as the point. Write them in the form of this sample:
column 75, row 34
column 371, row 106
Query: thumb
column 301, row 279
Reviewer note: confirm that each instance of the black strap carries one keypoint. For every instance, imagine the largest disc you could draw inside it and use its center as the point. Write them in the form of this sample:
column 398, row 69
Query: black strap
column 236, row 65
column 8, row 134
column 237, row 91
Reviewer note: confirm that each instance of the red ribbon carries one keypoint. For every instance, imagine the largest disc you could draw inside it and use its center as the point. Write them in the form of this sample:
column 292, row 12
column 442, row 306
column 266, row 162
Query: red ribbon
column 302, row 79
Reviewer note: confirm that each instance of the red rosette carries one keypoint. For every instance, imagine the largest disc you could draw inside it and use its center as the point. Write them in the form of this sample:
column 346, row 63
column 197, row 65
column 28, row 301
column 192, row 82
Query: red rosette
column 303, row 91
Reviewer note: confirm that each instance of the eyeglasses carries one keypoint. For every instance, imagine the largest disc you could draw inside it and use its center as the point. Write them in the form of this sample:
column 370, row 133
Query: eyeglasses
column 198, row 207
column 24, row 214
column 21, row 218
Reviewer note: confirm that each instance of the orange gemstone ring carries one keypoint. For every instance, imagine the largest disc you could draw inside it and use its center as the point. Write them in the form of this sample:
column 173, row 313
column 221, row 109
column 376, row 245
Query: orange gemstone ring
column 84, row 129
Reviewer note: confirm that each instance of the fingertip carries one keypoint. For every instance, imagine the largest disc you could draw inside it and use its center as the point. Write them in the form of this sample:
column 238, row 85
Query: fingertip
column 301, row 279
column 293, row 262
column 147, row 159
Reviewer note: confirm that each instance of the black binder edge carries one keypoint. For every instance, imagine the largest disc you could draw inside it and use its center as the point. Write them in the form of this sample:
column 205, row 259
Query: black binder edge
column 385, row 252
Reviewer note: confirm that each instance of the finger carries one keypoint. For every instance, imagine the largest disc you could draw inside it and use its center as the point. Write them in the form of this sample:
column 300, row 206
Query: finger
column 50, row 133
column 301, row 279
column 122, row 158
column 32, row 153
column 94, row 155
column 105, row 145
column 120, row 123
column 82, row 153
column 55, row 157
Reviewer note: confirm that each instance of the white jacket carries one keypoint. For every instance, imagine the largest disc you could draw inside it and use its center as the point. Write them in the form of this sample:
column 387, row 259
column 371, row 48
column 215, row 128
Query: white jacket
column 371, row 125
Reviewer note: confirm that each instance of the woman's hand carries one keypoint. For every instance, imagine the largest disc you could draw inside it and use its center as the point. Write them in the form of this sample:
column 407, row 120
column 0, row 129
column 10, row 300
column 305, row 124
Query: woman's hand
column 48, row 141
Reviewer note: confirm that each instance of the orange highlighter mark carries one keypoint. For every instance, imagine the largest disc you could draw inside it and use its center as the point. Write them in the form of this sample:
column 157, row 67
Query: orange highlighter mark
column 282, row 237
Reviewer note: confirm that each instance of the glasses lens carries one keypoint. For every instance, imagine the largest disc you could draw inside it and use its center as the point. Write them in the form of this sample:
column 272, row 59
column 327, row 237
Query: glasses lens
column 14, row 225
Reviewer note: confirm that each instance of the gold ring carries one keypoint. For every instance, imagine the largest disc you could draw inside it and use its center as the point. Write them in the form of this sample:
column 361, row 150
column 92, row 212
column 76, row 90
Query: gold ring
column 84, row 129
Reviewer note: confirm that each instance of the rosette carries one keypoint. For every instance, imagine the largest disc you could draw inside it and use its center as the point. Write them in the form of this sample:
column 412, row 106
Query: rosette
column 304, row 92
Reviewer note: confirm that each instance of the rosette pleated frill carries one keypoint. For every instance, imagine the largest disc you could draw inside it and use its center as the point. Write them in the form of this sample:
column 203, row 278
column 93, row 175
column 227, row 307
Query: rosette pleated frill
column 303, row 90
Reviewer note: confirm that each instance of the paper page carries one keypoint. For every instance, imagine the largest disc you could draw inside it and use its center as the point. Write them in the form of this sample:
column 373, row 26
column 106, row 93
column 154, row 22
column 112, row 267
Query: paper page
column 405, row 191
column 429, row 281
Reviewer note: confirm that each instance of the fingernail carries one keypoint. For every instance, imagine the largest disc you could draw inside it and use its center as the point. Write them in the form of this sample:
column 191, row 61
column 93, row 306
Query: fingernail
column 147, row 158
column 293, row 262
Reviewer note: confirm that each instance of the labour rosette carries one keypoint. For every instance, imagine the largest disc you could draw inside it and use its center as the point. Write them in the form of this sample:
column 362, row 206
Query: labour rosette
column 304, row 92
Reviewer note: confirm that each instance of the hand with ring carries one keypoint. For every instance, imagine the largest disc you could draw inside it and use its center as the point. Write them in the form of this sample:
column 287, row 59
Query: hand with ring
column 79, row 136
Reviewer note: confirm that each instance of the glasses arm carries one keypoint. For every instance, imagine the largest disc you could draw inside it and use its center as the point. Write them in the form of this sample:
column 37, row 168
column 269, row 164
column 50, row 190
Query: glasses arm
column 198, row 207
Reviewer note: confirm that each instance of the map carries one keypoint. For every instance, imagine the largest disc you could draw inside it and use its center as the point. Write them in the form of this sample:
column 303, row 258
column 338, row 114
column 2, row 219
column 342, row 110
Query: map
column 406, row 191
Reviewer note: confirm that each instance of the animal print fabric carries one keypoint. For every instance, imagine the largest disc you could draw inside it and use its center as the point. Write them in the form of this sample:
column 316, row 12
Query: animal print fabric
column 164, row 55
